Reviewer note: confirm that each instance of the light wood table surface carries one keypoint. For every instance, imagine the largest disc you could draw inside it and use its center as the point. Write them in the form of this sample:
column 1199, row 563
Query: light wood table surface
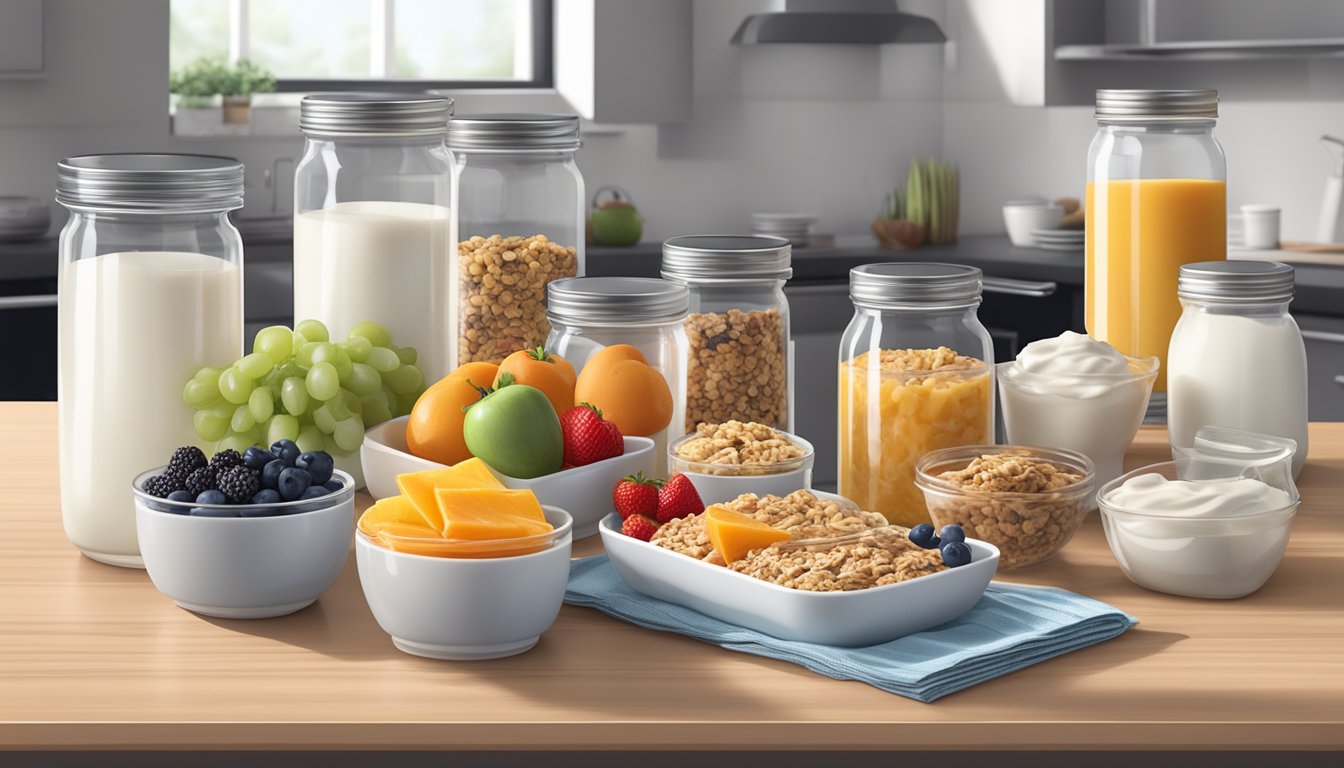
column 92, row 656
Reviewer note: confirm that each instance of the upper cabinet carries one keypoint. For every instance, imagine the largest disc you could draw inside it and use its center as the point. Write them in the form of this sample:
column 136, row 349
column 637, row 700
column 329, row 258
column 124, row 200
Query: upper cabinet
column 20, row 38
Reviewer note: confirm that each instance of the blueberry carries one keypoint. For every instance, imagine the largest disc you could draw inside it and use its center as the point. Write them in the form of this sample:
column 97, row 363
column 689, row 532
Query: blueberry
column 182, row 496
column 211, row 497
column 201, row 512
column 922, row 535
column 314, row 492
column 318, row 464
column 293, row 482
column 333, row 486
column 956, row 554
column 286, row 450
column 266, row 496
column 270, row 474
column 257, row 457
column 951, row 533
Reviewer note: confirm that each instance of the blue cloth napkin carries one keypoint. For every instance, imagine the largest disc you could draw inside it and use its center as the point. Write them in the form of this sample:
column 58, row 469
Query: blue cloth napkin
column 1012, row 627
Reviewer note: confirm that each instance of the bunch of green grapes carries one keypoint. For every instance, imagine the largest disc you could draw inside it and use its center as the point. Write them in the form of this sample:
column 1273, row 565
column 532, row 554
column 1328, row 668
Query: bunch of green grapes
column 298, row 385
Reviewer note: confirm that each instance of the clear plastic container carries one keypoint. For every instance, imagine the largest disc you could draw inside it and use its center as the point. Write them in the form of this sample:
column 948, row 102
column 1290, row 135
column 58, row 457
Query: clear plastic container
column 916, row 375
column 518, row 225
column 739, row 362
column 151, row 291
column 371, row 219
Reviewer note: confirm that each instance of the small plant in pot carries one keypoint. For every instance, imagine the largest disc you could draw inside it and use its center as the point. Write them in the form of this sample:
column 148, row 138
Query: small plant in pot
column 927, row 211
column 196, row 85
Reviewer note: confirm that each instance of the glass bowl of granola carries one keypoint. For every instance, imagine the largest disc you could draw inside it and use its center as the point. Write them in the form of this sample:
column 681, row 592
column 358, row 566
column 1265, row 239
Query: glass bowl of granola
column 724, row 461
column 1027, row 501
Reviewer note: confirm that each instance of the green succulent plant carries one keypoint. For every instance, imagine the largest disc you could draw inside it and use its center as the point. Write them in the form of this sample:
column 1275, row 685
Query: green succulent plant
column 208, row 77
column 931, row 198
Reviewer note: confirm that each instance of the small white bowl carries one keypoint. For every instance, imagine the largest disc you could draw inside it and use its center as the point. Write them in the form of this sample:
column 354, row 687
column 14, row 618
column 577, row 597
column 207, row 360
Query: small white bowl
column 717, row 483
column 466, row 609
column 245, row 567
column 583, row 491
column 1021, row 218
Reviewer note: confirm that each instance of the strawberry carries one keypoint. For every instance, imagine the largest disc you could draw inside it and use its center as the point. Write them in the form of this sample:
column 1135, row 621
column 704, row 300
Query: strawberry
column 639, row 527
column 678, row 498
column 588, row 436
column 635, row 495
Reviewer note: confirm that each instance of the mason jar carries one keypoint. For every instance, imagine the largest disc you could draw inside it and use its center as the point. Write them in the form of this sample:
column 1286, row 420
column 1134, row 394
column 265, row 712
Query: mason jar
column 589, row 313
column 518, row 225
column 916, row 375
column 371, row 219
column 150, row 292
column 739, row 359
column 1156, row 199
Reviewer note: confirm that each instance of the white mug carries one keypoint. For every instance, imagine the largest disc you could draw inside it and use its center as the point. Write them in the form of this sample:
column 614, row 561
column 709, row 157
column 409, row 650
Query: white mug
column 1260, row 226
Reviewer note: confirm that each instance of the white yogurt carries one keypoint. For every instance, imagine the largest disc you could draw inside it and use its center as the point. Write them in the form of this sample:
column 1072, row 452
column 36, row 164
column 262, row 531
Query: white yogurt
column 1077, row 393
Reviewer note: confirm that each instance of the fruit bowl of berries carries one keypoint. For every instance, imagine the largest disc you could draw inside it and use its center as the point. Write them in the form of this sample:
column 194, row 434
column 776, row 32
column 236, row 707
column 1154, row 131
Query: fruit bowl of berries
column 244, row 536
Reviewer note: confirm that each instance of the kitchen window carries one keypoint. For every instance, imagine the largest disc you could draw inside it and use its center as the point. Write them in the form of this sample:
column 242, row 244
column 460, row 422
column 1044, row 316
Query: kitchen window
column 355, row 44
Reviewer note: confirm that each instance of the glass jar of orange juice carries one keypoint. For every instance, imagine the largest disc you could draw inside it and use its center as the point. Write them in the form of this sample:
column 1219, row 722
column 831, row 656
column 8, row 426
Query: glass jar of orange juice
column 916, row 375
column 1156, row 199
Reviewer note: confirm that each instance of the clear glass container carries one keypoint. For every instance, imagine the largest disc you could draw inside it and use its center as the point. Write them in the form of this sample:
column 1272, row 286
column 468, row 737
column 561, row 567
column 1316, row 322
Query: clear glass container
column 916, row 375
column 1237, row 359
column 589, row 313
column 1156, row 199
column 518, row 225
column 150, row 292
column 371, row 219
column 739, row 362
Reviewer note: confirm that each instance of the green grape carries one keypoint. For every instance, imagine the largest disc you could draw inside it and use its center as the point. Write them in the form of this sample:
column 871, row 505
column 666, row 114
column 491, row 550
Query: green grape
column 320, row 352
column 294, row 395
column 261, row 404
column 209, row 426
column 255, row 366
column 375, row 333
column 375, row 410
column 304, row 357
column 208, row 375
column 322, row 382
column 312, row 330
column 296, row 344
column 351, row 401
column 324, row 419
column 407, row 355
column 223, row 410
column 405, row 380
column 200, row 394
column 275, row 342
column 383, row 359
column 242, row 419
column 239, row 443
column 329, row 445
column 342, row 363
column 363, row 380
column 358, row 348
column 282, row 427
column 310, row 439
column 235, row 386
column 349, row 433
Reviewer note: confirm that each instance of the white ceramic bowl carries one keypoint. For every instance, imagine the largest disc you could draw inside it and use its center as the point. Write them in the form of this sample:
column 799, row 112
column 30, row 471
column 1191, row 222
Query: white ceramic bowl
column 717, row 483
column 1021, row 218
column 585, row 492
column 857, row 618
column 465, row 609
column 245, row 567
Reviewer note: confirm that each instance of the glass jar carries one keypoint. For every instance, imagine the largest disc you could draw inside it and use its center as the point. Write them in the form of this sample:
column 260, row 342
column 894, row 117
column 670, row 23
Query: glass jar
column 1156, row 199
column 916, row 375
column 371, row 219
column 589, row 313
column 738, row 364
column 1237, row 359
column 518, row 225
column 150, row 292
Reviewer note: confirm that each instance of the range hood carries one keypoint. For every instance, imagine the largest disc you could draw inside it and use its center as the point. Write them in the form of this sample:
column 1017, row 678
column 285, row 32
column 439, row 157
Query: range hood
column 852, row 22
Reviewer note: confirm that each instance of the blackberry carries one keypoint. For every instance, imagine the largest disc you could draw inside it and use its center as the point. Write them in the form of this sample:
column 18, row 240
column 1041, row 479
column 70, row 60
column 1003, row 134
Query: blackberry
column 199, row 481
column 186, row 459
column 225, row 459
column 160, row 486
column 239, row 483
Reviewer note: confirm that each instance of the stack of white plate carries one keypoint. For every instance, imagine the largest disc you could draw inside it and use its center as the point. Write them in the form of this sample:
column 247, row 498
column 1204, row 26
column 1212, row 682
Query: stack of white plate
column 23, row 218
column 1059, row 239
column 794, row 227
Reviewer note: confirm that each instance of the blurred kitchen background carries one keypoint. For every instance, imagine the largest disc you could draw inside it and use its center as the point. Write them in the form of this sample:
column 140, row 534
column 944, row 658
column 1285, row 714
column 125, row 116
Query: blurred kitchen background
column 702, row 131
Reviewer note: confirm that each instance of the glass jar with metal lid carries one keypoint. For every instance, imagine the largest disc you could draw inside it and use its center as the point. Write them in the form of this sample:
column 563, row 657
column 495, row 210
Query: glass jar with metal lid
column 739, row 363
column 589, row 313
column 371, row 219
column 518, row 225
column 150, row 292
column 1237, row 358
column 916, row 375
column 1156, row 199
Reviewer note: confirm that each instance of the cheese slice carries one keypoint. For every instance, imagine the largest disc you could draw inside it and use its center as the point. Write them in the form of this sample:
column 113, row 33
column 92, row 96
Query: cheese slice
column 419, row 487
column 475, row 514
column 734, row 535
column 395, row 514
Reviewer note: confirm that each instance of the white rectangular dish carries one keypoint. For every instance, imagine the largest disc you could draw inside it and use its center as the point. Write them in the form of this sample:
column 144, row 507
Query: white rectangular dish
column 858, row 618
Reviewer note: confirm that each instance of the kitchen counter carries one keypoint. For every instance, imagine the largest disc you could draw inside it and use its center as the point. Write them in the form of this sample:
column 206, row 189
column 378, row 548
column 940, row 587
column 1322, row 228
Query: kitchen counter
column 93, row 657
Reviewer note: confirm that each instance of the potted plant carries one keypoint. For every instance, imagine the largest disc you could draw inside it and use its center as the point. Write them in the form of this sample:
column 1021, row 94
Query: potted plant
column 926, row 212
column 196, row 85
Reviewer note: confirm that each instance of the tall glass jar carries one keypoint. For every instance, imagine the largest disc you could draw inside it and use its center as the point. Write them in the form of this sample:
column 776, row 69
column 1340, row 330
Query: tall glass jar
column 589, row 313
column 739, row 360
column 1237, row 357
column 371, row 219
column 1156, row 199
column 518, row 225
column 916, row 375
column 151, row 291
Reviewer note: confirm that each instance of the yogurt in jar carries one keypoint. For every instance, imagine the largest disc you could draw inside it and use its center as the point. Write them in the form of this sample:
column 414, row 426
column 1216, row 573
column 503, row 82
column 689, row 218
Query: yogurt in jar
column 1076, row 393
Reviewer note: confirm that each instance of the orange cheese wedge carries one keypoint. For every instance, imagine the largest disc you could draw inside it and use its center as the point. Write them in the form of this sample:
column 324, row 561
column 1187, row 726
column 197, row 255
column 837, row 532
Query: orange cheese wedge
column 397, row 515
column 474, row 514
column 733, row 534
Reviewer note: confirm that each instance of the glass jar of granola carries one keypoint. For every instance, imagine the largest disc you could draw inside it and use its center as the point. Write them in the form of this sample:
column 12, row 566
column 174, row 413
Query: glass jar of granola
column 738, row 364
column 916, row 375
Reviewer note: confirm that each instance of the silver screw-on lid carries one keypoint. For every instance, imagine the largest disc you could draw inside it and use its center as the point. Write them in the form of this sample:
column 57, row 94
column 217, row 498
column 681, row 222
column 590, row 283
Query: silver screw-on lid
column 614, row 300
column 1125, row 104
column 695, row 258
column 514, row 131
column 1236, row 282
column 148, row 182
column 917, row 285
column 353, row 115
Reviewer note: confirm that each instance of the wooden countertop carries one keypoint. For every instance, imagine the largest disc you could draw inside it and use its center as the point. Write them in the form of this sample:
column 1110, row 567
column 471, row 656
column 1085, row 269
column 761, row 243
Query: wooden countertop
column 93, row 657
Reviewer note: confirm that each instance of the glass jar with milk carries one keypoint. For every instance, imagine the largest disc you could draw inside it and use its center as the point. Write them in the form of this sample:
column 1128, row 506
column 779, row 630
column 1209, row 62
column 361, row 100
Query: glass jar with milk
column 371, row 218
column 151, row 290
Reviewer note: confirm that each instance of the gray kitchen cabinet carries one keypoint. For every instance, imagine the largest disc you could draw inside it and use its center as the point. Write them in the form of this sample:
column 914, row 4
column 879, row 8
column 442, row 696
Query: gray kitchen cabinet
column 1324, row 337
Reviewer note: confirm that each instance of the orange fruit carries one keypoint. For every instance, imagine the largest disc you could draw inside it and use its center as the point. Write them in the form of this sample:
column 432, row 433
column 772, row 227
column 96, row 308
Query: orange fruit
column 552, row 374
column 434, row 431
column 630, row 393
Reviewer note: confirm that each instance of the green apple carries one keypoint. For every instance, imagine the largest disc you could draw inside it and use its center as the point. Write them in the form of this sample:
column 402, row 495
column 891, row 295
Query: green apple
column 515, row 430
column 617, row 223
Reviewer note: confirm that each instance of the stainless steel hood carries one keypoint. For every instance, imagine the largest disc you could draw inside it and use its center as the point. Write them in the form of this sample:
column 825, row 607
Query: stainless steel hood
column 851, row 22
